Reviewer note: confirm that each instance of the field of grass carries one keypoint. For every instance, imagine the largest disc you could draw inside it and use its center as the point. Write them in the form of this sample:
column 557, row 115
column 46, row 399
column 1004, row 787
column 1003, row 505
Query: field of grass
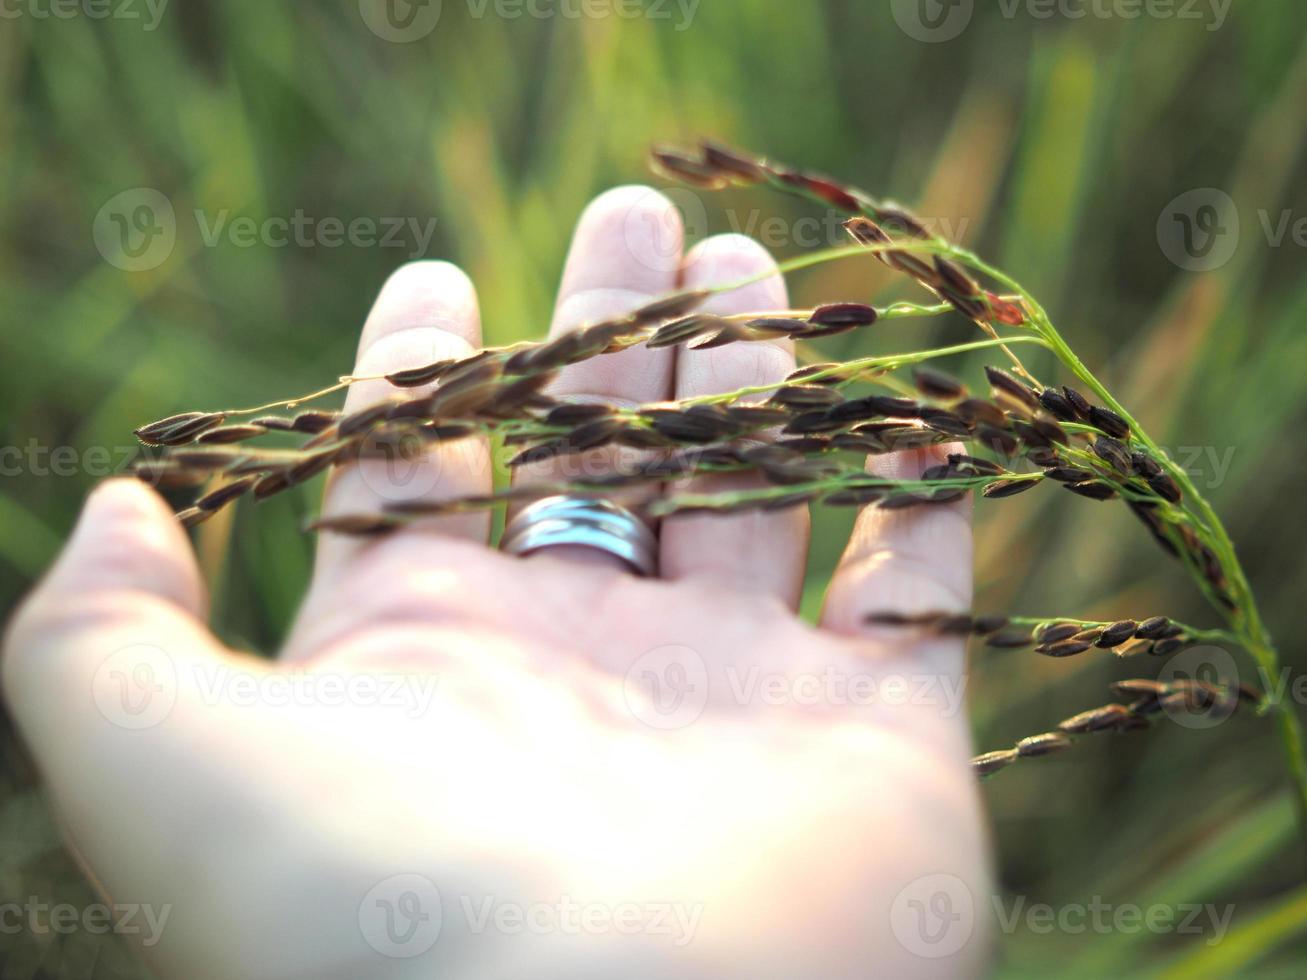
column 1055, row 146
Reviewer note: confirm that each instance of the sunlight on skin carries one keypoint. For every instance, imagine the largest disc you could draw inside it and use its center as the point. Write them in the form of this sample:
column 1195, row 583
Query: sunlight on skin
column 450, row 722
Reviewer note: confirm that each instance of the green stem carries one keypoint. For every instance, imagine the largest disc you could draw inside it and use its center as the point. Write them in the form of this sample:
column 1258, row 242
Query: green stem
column 1245, row 619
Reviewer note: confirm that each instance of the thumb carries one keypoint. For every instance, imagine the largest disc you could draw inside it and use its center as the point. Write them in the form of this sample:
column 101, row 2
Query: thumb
column 90, row 660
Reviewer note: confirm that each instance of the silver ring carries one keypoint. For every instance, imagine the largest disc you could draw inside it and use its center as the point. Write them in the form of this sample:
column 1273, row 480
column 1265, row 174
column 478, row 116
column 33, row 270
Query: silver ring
column 587, row 523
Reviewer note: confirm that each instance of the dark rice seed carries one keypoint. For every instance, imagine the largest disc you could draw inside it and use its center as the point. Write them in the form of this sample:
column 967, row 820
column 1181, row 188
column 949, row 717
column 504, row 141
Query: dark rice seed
column 1045, row 744
column 945, row 421
column 410, row 408
column 940, row 471
column 219, row 498
column 1067, row 648
column 937, row 384
column 1007, row 488
column 311, row 467
column 1006, row 383
column 818, row 420
column 901, row 221
column 1131, row 723
column 166, row 475
column 973, row 464
column 1117, row 633
column 270, row 484
column 769, row 455
column 314, row 421
column 1078, row 401
column 909, row 437
column 210, row 459
column 1139, row 687
column 1030, row 436
column 360, row 525
column 1054, row 632
column 821, row 187
column 895, row 617
column 947, row 495
column 901, row 501
column 849, row 442
column 413, row 377
column 230, row 433
column 804, row 444
column 1165, row 487
column 541, row 452
column 1043, row 457
column 639, row 437
column 1144, row 464
column 669, row 307
column 510, row 398
column 985, row 625
column 1056, row 404
column 363, row 419
column 954, row 624
column 273, row 423
column 896, row 407
column 955, row 277
column 996, row 440
column 592, row 435
column 675, row 165
column 786, row 501
column 1114, row 453
column 866, row 231
column 776, row 326
column 192, row 516
column 1093, row 490
column 806, row 396
column 854, row 496
column 804, row 373
column 577, row 413
column 687, row 328
column 855, row 410
column 1147, row 705
column 756, row 416
column 730, row 334
column 729, row 161
column 1068, row 474
column 1167, row 646
column 1050, row 430
column 179, row 429
column 979, row 410
column 992, row 762
column 844, row 315
column 1109, row 422
column 1096, row 719
column 1152, row 629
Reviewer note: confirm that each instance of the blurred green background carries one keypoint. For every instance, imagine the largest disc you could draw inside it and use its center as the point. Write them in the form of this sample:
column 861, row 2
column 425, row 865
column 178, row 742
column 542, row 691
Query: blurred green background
column 1055, row 145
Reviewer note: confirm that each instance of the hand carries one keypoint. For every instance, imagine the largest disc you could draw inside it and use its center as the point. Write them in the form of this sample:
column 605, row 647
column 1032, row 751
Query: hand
column 470, row 765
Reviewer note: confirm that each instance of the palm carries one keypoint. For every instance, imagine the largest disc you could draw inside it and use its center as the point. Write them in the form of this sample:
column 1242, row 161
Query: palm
column 751, row 792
